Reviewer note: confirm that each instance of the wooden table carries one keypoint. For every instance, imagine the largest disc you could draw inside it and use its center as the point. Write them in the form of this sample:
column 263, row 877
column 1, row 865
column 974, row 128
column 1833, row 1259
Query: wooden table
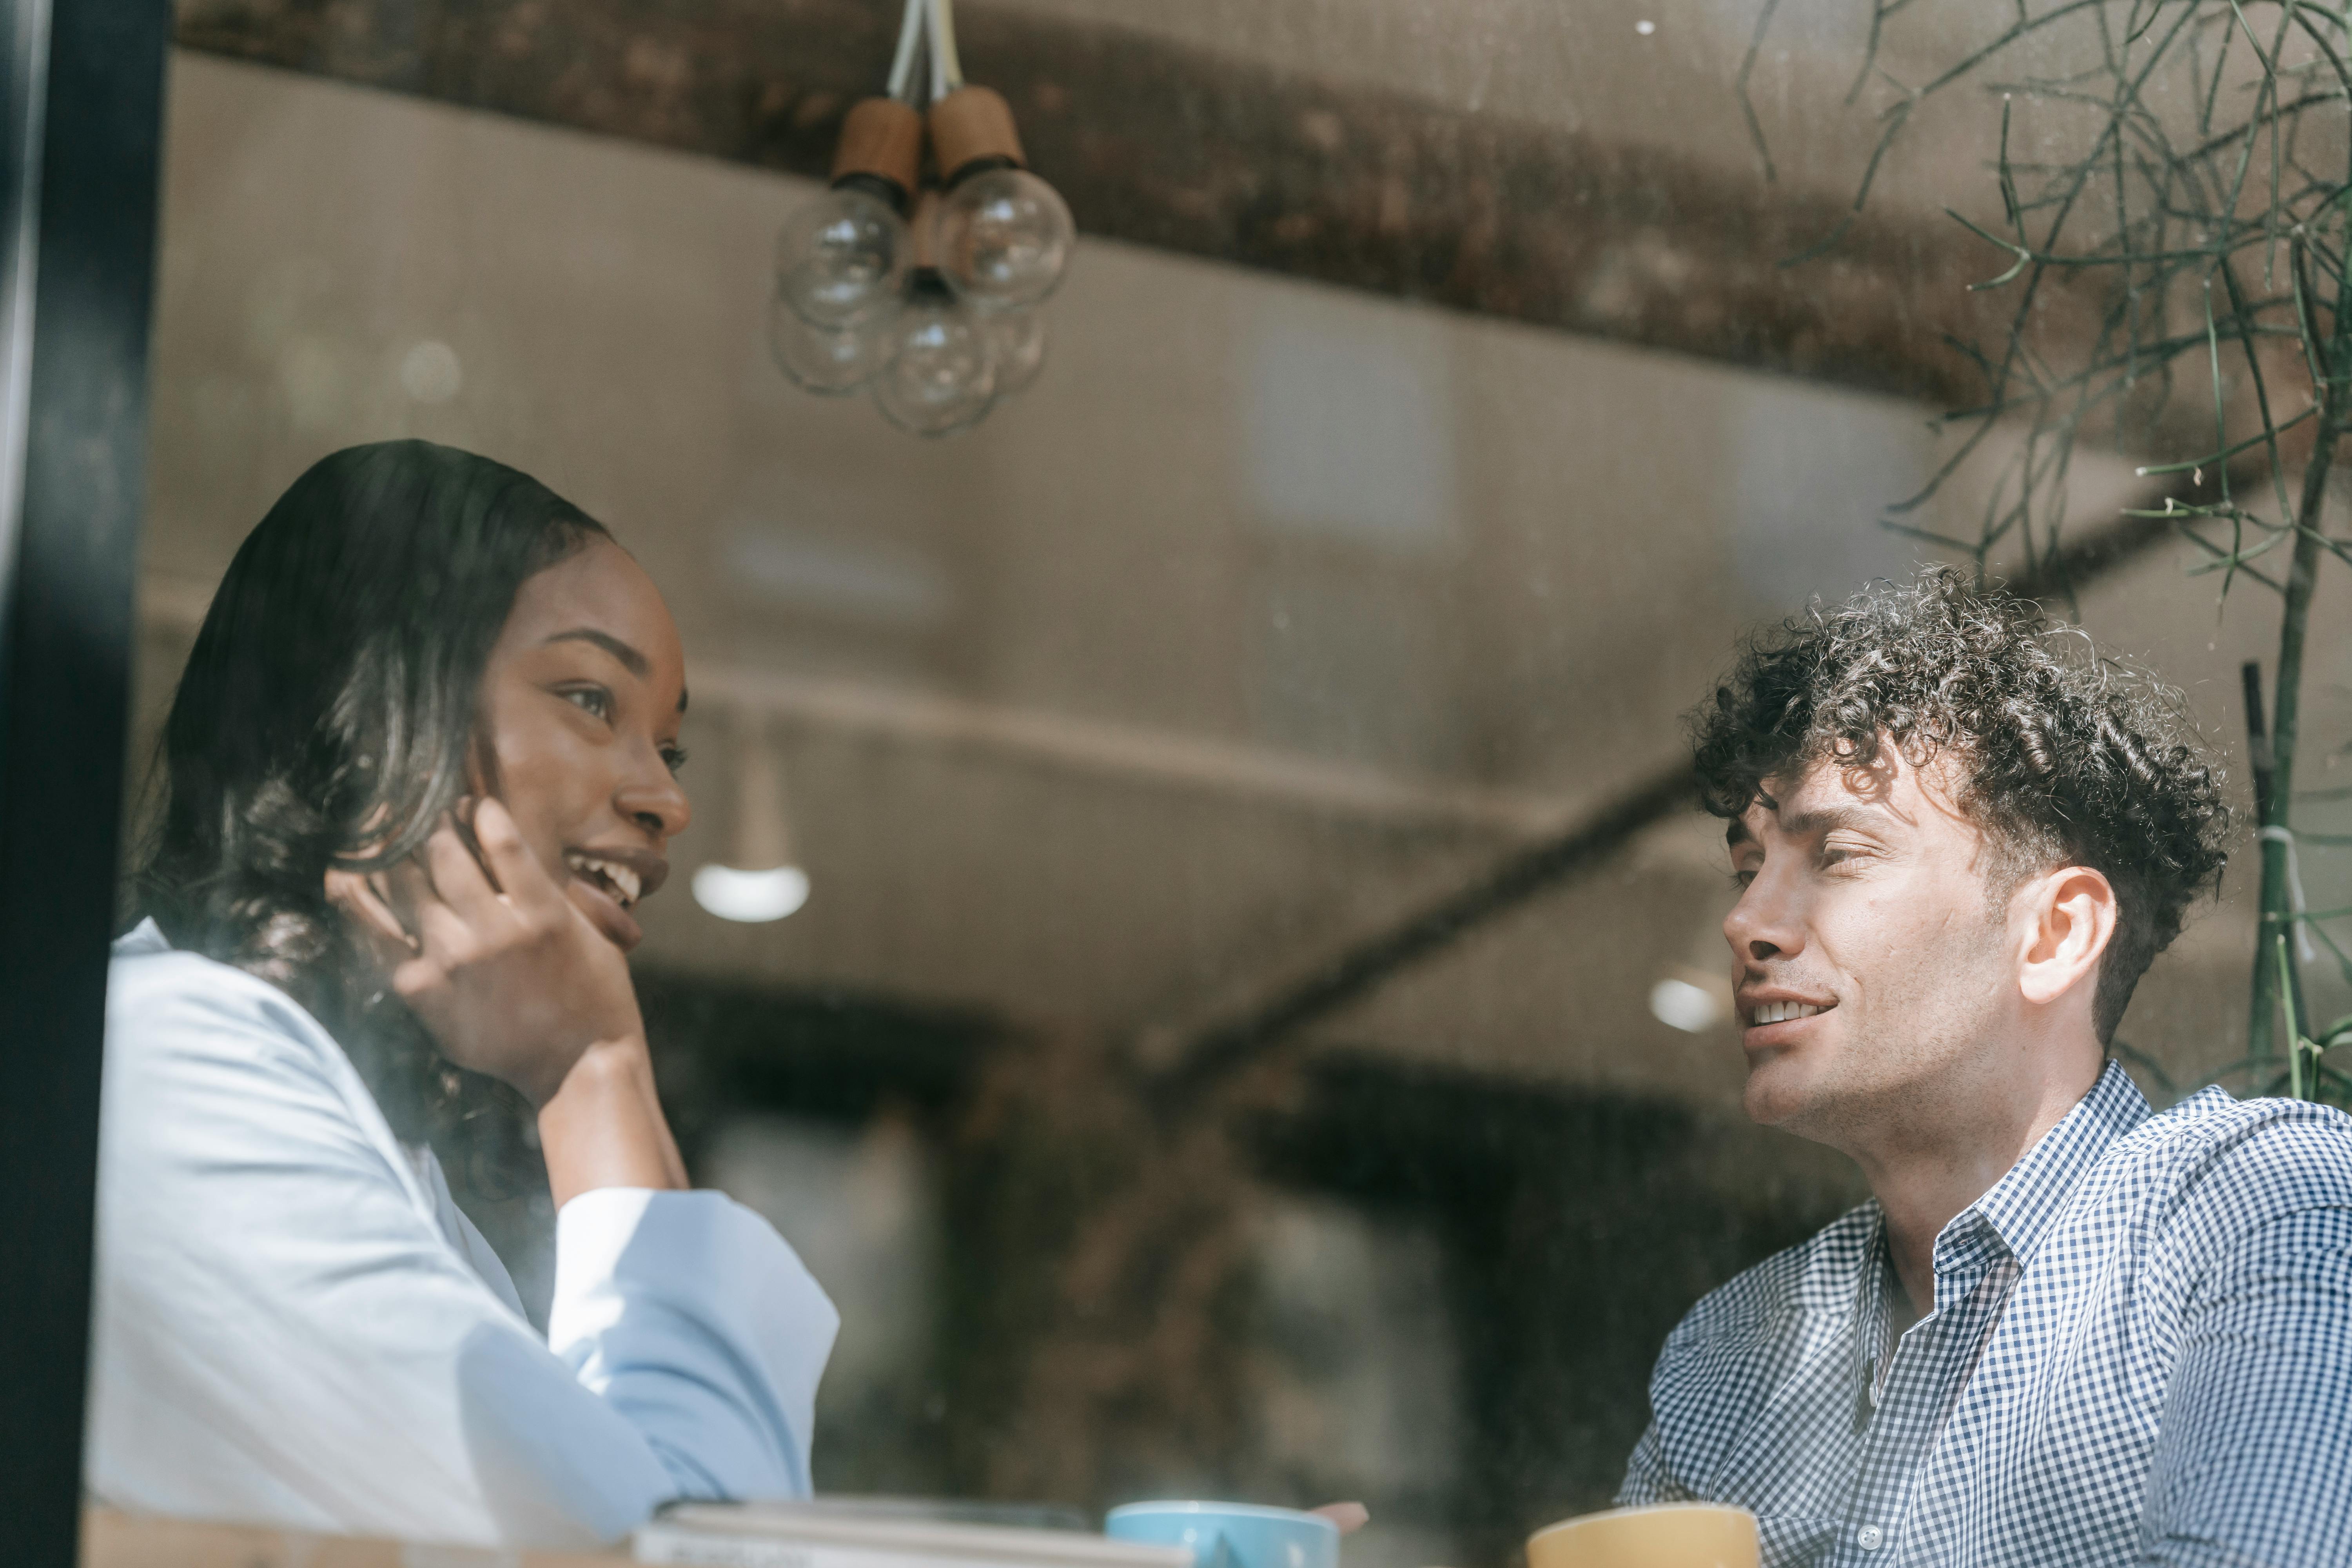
column 114, row 1540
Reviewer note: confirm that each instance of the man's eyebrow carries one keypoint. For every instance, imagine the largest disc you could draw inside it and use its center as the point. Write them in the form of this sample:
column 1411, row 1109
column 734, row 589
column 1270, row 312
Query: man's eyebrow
column 636, row 664
column 1829, row 818
column 1822, row 819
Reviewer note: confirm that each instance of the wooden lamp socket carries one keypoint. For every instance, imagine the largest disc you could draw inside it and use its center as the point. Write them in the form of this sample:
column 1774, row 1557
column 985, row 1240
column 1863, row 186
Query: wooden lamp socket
column 882, row 138
column 973, row 124
column 927, row 207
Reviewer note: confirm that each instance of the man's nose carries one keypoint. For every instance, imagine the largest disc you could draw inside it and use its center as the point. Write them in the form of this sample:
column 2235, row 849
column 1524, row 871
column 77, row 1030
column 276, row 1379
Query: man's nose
column 1762, row 924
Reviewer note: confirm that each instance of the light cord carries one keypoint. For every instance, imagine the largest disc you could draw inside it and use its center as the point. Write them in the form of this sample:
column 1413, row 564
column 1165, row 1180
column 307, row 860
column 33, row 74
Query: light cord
column 902, row 63
column 2286, row 836
column 947, row 65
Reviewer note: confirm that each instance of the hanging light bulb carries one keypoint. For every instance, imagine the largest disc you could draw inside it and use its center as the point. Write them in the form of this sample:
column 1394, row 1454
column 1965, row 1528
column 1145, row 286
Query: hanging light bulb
column 1017, row 340
column 1001, row 234
column 830, row 362
column 939, row 376
column 843, row 256
column 761, row 882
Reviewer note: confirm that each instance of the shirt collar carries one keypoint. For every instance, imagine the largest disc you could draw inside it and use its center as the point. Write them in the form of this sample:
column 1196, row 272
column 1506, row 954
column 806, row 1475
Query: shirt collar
column 141, row 940
column 2021, row 1205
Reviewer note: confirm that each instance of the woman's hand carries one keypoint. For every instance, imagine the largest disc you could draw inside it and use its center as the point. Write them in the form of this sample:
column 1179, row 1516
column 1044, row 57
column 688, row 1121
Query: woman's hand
column 510, row 977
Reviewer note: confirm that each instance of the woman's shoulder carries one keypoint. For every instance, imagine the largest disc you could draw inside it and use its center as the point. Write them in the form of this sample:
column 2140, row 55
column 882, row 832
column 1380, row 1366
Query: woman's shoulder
column 164, row 1002
column 206, row 1064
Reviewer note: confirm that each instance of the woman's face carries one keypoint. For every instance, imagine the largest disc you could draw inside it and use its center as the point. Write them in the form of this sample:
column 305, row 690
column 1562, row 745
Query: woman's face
column 580, row 703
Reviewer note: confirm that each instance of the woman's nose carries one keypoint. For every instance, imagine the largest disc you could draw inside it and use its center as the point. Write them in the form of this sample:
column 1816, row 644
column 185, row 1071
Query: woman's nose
column 653, row 799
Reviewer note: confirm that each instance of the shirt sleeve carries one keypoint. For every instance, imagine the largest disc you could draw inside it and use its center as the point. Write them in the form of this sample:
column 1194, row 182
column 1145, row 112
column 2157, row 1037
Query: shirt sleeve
column 2255, row 1443
column 283, row 1333
column 1646, row 1480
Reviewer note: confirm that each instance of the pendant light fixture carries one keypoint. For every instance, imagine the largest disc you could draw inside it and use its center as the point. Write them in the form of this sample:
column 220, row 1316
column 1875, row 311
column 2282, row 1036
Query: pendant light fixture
column 842, row 260
column 939, row 369
column 926, row 299
column 1695, row 995
column 759, row 881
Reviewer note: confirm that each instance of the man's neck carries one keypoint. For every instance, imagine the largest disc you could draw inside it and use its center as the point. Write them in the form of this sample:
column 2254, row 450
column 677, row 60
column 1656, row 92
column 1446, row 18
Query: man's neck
column 1935, row 1161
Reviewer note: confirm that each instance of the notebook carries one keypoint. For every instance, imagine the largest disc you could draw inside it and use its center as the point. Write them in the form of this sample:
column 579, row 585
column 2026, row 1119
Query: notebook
column 835, row 1534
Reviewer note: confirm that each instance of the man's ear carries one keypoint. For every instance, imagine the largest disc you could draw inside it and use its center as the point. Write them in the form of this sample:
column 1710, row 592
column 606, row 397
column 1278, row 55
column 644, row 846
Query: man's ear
column 2070, row 919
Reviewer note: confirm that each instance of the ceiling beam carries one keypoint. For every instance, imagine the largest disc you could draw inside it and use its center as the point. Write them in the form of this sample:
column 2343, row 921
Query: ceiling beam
column 1192, row 1052
column 1174, row 762
column 1167, row 145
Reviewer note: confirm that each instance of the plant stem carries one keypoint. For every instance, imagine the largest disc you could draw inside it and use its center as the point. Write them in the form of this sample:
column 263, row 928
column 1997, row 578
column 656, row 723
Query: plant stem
column 2294, row 1022
column 2302, row 575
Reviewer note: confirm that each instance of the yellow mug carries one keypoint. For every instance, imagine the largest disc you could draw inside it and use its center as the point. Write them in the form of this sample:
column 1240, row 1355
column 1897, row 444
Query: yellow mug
column 1663, row 1535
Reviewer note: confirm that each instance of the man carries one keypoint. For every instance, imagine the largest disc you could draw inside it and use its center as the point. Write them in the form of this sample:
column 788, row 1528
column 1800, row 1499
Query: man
column 2066, row 1331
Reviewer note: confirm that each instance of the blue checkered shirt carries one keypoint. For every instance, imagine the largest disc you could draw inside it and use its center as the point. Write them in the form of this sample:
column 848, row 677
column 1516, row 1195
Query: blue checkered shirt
column 2141, row 1352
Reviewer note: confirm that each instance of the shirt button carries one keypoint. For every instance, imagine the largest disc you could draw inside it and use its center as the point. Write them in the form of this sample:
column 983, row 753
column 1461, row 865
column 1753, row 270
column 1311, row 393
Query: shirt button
column 1868, row 1537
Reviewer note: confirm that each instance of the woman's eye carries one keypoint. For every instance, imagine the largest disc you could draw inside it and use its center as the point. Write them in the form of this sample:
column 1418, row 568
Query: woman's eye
column 592, row 700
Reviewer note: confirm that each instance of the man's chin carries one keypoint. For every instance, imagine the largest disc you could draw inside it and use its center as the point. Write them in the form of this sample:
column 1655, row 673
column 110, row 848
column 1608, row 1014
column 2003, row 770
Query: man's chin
column 1778, row 1094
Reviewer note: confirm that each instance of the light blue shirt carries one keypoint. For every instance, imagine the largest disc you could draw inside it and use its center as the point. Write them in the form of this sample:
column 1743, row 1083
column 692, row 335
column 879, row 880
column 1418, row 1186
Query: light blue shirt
column 296, row 1325
column 2140, row 1352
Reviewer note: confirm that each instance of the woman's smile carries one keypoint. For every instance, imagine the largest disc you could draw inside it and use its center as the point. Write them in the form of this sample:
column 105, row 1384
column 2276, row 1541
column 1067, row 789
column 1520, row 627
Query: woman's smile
column 608, row 881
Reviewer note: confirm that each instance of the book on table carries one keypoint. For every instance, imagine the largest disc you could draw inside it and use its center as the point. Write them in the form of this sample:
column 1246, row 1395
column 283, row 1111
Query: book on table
column 885, row 1535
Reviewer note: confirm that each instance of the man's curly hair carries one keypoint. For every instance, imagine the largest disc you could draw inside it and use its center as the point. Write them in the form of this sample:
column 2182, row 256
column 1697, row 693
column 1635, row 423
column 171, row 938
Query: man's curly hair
column 2065, row 756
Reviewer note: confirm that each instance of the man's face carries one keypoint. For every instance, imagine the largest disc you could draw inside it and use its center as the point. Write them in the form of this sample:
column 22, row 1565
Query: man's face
column 1870, row 966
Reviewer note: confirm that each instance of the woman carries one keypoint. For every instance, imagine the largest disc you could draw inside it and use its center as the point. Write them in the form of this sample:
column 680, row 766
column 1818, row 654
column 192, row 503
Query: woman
column 418, row 772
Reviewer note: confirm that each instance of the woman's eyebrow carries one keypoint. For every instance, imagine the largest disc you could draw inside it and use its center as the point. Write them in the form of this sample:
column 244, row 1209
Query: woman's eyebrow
column 636, row 664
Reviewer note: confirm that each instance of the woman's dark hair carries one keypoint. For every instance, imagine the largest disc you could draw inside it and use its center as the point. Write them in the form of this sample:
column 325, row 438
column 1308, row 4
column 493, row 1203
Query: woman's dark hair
column 2066, row 755
column 326, row 718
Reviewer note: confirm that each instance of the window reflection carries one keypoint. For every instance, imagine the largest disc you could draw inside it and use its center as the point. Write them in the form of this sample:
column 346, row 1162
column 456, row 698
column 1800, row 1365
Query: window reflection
column 1273, row 613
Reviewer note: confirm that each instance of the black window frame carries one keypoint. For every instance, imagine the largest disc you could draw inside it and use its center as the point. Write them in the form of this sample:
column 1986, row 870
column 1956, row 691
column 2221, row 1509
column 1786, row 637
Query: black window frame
column 79, row 172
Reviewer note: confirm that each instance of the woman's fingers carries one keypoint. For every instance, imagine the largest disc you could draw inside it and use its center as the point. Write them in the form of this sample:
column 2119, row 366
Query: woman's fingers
column 509, row 859
column 458, row 878
column 354, row 893
column 512, row 979
column 442, row 934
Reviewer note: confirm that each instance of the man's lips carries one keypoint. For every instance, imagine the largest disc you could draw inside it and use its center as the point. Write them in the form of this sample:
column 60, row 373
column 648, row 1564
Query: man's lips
column 1773, row 1017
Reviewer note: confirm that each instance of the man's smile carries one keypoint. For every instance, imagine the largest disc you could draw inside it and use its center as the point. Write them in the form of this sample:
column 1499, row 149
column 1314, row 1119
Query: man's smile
column 1778, row 1012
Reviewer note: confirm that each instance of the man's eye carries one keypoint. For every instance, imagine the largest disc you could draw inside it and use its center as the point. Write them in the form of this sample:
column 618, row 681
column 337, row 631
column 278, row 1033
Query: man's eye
column 674, row 758
column 589, row 699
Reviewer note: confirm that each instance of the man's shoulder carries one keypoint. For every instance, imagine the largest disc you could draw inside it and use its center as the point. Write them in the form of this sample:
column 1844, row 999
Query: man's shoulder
column 1818, row 1275
column 2246, row 1158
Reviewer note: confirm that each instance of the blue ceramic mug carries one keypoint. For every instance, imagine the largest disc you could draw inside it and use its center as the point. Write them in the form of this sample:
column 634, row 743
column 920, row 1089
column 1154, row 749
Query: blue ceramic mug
column 1231, row 1535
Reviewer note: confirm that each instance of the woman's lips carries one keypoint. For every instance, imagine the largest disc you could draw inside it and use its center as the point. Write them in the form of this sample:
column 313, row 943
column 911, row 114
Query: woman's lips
column 607, row 882
column 618, row 925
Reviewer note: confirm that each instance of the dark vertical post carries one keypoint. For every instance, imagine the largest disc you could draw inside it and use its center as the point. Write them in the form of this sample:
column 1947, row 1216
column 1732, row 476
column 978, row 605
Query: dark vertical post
column 2263, row 762
column 84, row 105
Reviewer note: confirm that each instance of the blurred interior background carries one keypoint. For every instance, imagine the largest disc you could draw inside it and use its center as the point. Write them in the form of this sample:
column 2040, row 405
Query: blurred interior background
column 1256, row 1026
